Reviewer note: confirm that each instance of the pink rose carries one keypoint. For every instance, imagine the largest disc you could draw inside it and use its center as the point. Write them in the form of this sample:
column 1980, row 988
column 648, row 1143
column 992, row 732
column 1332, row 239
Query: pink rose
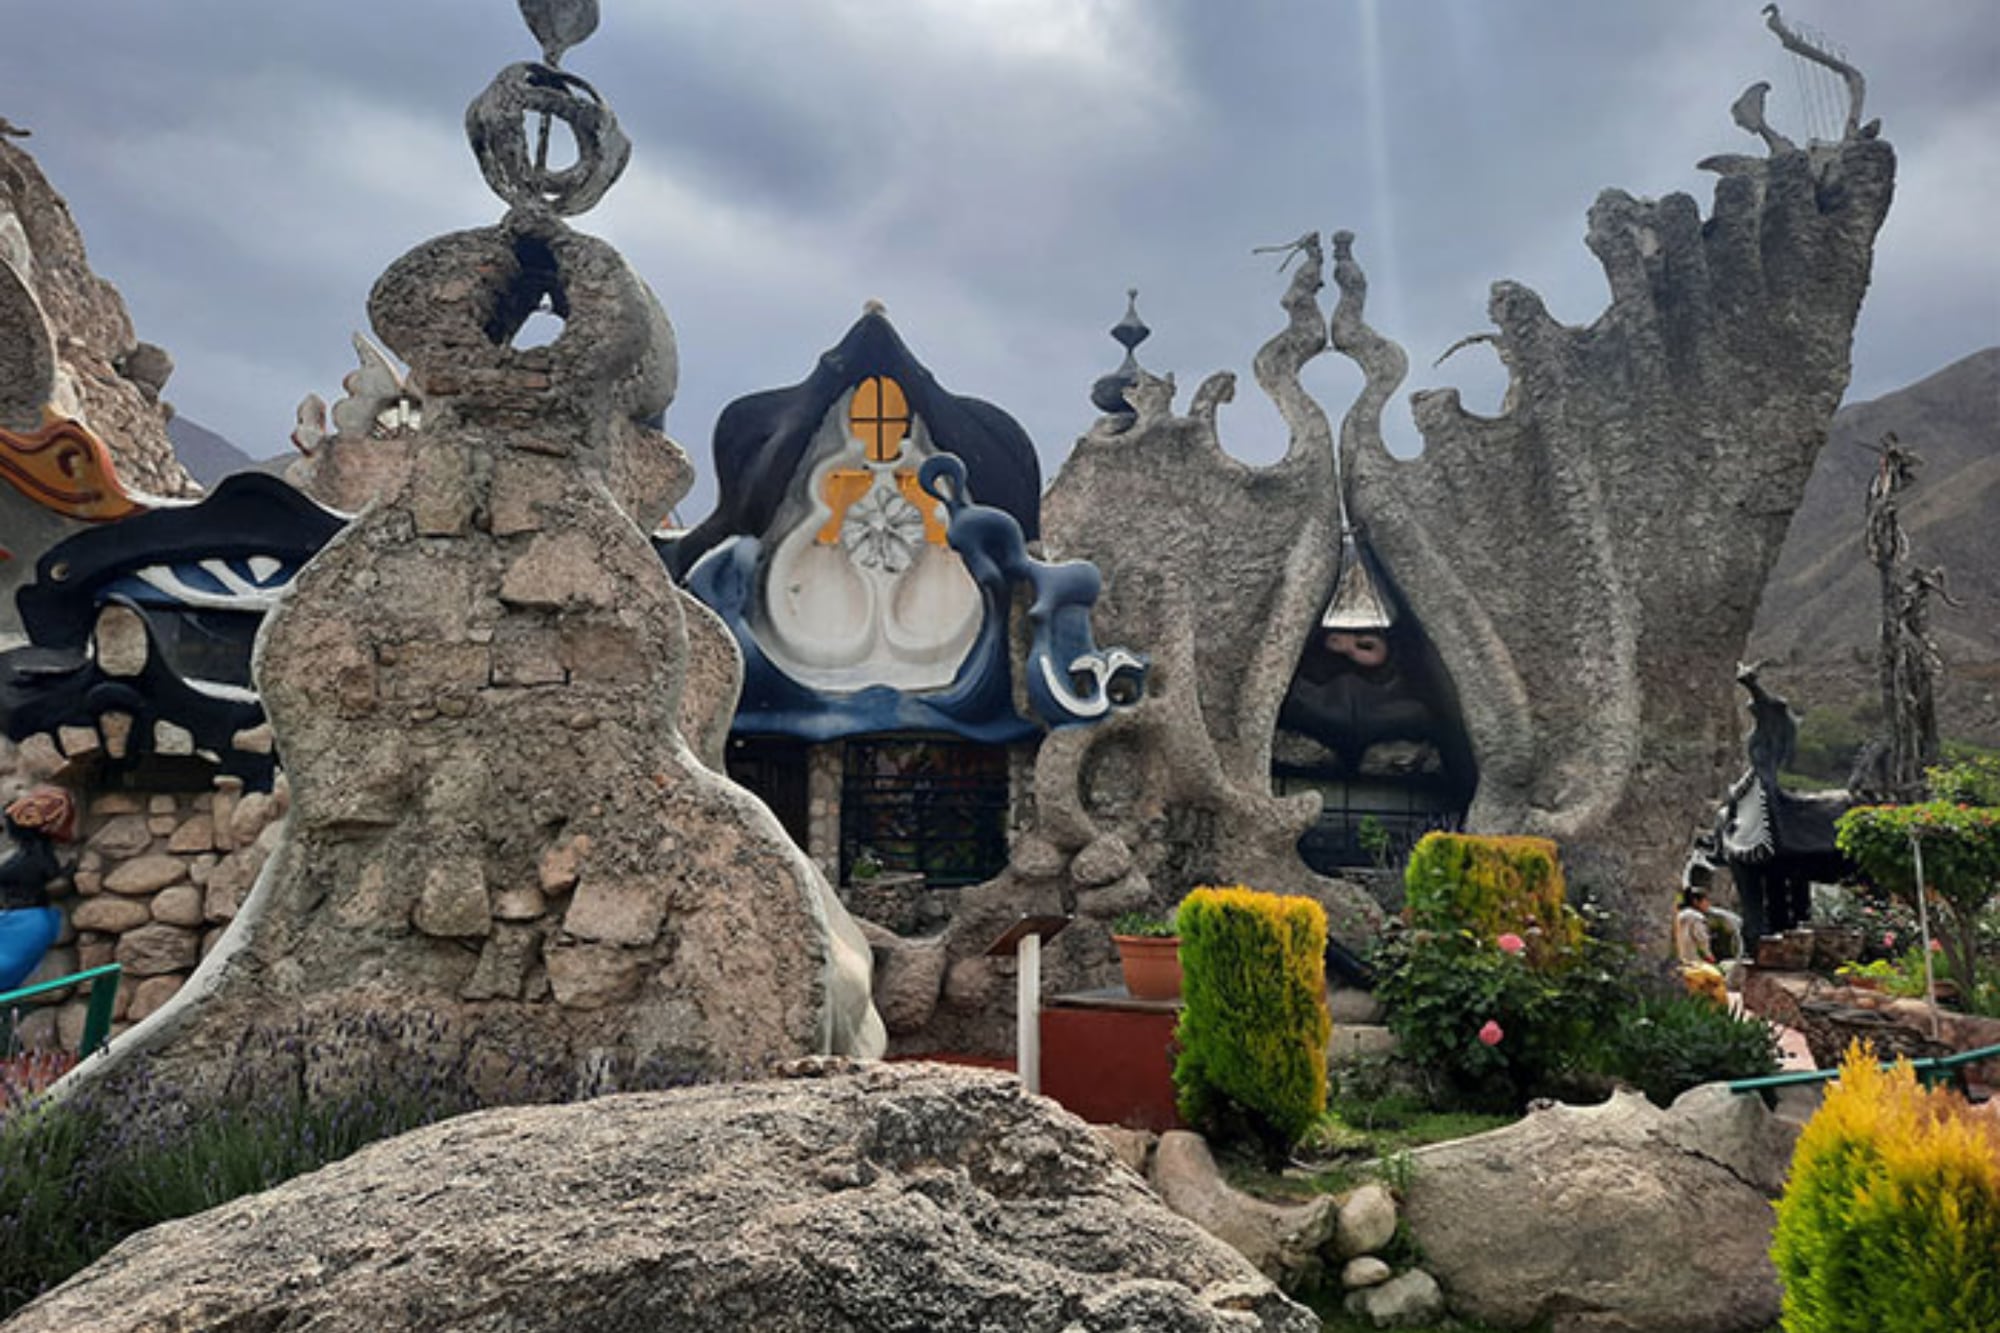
column 1888, row 939
column 1511, row 943
column 1937, row 946
column 1491, row 1034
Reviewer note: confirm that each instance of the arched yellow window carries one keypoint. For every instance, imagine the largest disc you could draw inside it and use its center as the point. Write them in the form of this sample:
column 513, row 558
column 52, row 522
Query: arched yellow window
column 879, row 417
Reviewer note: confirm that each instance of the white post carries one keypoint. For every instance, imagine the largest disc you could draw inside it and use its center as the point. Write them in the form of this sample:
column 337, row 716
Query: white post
column 1028, row 1008
column 1924, row 929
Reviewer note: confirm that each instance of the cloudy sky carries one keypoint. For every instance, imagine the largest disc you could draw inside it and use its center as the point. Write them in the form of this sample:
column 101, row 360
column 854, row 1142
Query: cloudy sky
column 997, row 172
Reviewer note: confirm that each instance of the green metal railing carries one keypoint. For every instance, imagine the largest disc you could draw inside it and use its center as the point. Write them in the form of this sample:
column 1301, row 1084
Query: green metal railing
column 103, row 983
column 1932, row 1071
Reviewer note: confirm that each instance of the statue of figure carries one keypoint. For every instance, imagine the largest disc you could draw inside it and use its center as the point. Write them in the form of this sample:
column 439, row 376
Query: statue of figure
column 1774, row 727
column 28, row 923
column 1891, row 767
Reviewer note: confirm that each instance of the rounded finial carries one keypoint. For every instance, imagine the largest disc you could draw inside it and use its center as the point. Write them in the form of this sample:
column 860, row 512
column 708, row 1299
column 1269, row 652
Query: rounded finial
column 559, row 24
column 1108, row 394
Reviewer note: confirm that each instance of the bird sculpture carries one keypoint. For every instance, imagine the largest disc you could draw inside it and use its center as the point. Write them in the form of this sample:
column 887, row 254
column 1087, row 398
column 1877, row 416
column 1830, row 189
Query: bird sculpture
column 1748, row 112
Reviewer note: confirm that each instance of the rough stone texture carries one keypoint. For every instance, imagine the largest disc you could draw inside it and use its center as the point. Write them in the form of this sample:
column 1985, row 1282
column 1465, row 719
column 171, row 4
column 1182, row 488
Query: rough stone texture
column 896, row 1197
column 1282, row 1241
column 1589, row 562
column 1133, row 1147
column 1179, row 786
column 909, row 977
column 1411, row 1300
column 1613, row 1217
column 66, row 342
column 146, row 874
column 424, row 784
column 1132, row 812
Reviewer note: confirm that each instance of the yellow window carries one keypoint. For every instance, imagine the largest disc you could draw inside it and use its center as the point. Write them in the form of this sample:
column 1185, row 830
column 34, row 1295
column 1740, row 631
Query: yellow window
column 879, row 417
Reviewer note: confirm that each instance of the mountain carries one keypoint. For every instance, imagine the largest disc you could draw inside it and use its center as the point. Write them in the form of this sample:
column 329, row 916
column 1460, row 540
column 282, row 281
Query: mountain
column 1818, row 620
column 207, row 456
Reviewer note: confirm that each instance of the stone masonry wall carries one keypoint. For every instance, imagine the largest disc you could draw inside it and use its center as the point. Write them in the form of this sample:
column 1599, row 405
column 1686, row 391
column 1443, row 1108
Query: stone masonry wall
column 158, row 877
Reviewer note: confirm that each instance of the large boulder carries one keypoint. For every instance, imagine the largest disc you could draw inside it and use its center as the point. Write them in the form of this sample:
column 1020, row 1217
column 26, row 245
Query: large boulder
column 1617, row 1218
column 892, row 1197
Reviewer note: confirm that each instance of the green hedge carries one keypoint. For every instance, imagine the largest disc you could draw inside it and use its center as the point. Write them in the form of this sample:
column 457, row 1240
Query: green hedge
column 1254, row 1025
column 1490, row 887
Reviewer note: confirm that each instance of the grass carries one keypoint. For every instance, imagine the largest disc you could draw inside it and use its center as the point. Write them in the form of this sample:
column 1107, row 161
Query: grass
column 1358, row 1140
column 77, row 1178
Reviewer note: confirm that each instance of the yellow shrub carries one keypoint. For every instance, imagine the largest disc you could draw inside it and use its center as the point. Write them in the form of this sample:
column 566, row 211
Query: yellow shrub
column 1254, row 1025
column 1890, row 1222
column 1493, row 886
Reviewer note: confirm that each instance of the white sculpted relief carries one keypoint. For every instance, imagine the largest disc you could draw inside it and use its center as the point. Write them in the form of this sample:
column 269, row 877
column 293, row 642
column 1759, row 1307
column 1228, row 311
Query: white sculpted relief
column 861, row 589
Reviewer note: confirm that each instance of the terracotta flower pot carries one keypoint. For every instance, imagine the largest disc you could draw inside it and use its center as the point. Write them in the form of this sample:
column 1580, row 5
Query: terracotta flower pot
column 1152, row 966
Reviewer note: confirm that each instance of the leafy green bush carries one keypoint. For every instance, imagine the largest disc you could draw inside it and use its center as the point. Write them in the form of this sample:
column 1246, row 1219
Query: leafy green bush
column 1493, row 887
column 1493, row 1030
column 1143, row 925
column 1972, row 780
column 1890, row 1220
column 1961, row 851
column 1254, row 1025
column 1502, row 994
column 1665, row 1044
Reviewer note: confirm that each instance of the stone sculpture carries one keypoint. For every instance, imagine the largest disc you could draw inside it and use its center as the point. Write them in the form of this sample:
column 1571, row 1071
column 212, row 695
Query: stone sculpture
column 1589, row 559
column 477, row 687
column 1583, row 563
column 73, row 380
column 1891, row 767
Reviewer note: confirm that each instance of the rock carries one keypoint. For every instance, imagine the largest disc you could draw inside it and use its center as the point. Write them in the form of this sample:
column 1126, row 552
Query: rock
column 1613, row 1212
column 248, row 816
column 158, row 948
column 179, row 905
column 453, row 904
column 121, row 837
column 1130, row 892
column 195, row 834
column 1364, row 1270
column 559, row 865
column 1035, row 857
column 1103, row 861
column 119, row 638
column 146, row 874
column 1410, row 1301
column 909, row 977
column 1367, row 1221
column 112, row 916
column 1345, row 1004
column 1737, row 1133
column 970, row 983
column 614, row 909
column 1133, row 1147
column 898, row 1197
column 1283, row 1242
column 522, row 904
column 151, row 993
